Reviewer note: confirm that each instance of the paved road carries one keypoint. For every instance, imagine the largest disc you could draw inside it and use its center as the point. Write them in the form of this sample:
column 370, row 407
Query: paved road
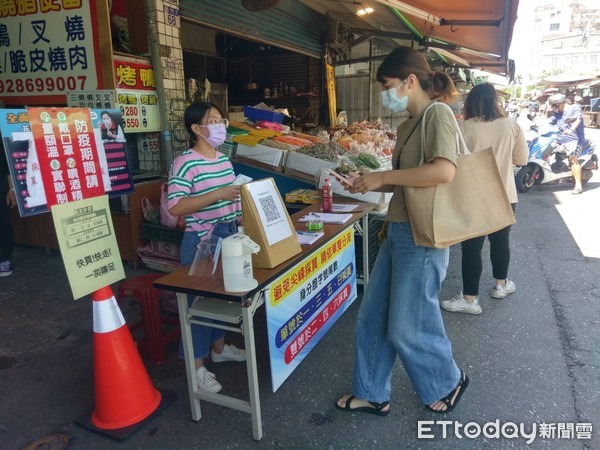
column 533, row 358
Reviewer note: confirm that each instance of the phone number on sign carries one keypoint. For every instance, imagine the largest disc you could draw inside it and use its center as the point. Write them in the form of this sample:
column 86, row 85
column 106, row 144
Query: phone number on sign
column 20, row 86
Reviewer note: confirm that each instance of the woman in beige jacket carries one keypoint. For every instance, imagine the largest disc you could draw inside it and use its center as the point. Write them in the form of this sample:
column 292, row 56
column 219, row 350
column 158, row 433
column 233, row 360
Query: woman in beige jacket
column 485, row 125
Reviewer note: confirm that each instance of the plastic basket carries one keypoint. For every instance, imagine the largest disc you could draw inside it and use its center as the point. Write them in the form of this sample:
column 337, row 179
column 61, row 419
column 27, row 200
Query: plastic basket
column 228, row 149
column 154, row 232
column 261, row 114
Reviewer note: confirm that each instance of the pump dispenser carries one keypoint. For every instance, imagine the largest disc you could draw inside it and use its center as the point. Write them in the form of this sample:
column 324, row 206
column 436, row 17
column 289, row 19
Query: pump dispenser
column 237, row 253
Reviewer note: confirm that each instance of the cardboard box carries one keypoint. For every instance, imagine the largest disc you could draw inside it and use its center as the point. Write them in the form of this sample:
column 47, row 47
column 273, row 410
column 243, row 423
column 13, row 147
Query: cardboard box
column 304, row 196
column 269, row 255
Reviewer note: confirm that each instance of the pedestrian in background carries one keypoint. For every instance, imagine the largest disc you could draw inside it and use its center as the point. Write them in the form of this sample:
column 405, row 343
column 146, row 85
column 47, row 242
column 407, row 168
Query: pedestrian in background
column 8, row 200
column 486, row 125
column 399, row 314
column 569, row 120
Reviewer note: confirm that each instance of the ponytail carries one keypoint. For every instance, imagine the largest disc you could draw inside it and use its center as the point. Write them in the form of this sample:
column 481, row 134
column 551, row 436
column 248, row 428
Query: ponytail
column 403, row 61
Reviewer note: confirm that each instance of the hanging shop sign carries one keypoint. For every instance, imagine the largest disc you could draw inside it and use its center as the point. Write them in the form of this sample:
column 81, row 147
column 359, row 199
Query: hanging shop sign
column 304, row 303
column 30, row 173
column 48, row 48
column 136, row 96
column 132, row 75
column 140, row 110
column 330, row 77
column 88, row 244
column 102, row 99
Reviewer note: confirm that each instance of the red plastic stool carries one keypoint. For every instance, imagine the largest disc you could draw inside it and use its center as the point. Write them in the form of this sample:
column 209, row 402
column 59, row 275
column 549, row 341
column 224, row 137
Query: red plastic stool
column 154, row 341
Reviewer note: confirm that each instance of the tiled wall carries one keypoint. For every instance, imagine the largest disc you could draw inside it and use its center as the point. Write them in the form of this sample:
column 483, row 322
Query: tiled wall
column 171, row 56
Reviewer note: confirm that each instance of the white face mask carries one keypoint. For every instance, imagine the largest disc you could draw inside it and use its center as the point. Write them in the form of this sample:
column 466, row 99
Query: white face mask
column 390, row 99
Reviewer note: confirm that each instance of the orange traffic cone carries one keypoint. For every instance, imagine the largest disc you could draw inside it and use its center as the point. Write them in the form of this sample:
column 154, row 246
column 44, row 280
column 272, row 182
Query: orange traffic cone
column 124, row 393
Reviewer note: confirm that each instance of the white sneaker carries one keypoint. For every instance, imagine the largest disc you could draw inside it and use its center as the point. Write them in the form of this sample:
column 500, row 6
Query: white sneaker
column 459, row 304
column 5, row 268
column 502, row 291
column 207, row 380
column 230, row 353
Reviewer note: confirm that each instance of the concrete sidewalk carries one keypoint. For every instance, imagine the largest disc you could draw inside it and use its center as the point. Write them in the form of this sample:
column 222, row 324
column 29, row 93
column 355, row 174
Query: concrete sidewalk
column 532, row 358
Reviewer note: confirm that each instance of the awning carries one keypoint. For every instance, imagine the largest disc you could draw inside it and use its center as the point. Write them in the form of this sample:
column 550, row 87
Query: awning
column 469, row 33
column 567, row 80
column 475, row 30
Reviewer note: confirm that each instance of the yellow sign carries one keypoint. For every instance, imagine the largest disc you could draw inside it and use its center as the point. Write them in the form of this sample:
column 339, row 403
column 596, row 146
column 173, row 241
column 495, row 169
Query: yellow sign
column 88, row 244
column 330, row 74
column 295, row 277
column 140, row 110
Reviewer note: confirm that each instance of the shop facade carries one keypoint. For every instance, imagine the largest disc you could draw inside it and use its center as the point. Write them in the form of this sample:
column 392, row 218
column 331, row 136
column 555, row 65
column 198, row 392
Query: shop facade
column 224, row 51
column 114, row 60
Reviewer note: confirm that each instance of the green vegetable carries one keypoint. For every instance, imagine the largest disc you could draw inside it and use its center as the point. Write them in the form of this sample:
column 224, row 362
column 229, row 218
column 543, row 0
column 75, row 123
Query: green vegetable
column 369, row 160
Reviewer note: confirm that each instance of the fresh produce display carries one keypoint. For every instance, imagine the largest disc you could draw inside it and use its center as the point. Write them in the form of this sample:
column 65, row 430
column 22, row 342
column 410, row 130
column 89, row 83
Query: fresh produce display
column 359, row 148
column 327, row 152
column 292, row 140
column 275, row 144
column 306, row 137
column 369, row 160
column 365, row 137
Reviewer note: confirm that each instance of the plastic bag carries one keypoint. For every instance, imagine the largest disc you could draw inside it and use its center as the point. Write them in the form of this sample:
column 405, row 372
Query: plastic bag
column 151, row 212
column 166, row 218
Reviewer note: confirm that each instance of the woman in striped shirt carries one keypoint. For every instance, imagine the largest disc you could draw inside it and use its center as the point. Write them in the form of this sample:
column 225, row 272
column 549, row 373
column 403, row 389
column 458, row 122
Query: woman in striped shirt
column 201, row 191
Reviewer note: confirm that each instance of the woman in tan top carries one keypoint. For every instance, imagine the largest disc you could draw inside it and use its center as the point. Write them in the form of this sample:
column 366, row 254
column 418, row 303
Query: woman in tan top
column 399, row 314
column 486, row 126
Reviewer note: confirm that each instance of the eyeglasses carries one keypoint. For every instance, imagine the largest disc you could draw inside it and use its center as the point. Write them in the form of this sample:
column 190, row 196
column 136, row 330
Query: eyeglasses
column 397, row 86
column 216, row 122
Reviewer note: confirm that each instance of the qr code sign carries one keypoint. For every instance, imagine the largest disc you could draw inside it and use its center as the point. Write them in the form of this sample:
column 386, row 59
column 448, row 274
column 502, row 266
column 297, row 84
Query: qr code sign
column 269, row 208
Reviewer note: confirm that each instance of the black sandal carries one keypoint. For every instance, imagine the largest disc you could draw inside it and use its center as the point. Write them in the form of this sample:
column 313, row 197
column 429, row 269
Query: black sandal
column 458, row 391
column 375, row 408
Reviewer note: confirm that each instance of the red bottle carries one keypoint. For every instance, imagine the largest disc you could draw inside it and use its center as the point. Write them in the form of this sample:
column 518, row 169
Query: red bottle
column 327, row 196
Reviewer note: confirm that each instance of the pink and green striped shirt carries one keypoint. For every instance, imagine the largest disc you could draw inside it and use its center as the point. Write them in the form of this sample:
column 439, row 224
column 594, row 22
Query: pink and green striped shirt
column 192, row 175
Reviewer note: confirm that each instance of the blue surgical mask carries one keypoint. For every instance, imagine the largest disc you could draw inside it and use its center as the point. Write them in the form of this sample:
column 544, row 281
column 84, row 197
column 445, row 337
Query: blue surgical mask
column 390, row 99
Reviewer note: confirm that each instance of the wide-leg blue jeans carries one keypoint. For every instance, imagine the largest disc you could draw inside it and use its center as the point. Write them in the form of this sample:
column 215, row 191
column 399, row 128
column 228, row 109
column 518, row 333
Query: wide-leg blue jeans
column 202, row 336
column 400, row 315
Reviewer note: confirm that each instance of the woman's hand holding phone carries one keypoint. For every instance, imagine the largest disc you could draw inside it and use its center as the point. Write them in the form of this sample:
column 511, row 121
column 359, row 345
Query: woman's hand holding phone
column 346, row 182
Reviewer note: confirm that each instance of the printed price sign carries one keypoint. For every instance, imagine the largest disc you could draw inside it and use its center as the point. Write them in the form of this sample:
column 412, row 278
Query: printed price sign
column 140, row 110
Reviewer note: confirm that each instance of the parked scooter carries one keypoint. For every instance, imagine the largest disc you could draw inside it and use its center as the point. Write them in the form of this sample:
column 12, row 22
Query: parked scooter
column 548, row 161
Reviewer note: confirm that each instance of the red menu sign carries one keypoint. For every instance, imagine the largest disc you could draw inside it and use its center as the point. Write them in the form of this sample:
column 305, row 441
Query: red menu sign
column 67, row 154
column 130, row 75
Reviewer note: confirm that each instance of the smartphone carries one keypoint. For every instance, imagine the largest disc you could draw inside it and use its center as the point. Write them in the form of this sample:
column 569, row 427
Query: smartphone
column 340, row 178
